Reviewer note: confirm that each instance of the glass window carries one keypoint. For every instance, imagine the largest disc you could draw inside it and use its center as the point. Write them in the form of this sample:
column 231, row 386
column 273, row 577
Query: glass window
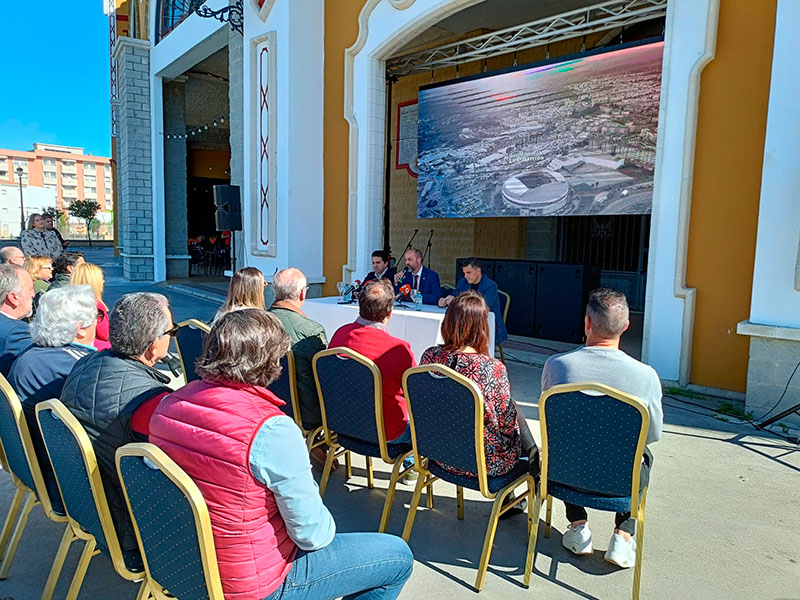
column 89, row 167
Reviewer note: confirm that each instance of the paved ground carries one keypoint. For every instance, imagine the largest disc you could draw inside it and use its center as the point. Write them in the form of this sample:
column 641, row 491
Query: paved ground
column 723, row 515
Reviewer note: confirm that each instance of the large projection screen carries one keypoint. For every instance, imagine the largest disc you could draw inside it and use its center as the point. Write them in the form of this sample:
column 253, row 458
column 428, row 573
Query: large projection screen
column 573, row 137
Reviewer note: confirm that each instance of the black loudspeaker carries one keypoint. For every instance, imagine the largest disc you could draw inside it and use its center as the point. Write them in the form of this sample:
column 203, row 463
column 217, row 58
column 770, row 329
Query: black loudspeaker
column 518, row 280
column 229, row 208
column 562, row 291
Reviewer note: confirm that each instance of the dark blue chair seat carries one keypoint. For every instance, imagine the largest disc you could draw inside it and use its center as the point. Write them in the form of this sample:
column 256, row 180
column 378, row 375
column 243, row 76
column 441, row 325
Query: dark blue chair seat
column 369, row 449
column 589, row 499
column 495, row 483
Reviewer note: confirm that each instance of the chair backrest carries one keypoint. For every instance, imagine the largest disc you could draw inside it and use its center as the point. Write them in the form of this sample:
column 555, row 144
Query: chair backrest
column 593, row 441
column 350, row 396
column 445, row 410
column 190, row 339
column 505, row 302
column 171, row 521
column 75, row 465
column 285, row 388
column 21, row 458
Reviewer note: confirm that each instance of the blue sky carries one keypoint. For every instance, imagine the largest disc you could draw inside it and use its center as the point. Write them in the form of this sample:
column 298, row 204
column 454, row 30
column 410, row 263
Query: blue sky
column 56, row 76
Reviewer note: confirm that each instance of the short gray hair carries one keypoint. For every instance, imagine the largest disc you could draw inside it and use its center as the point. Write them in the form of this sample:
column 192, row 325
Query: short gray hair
column 9, row 281
column 288, row 284
column 7, row 253
column 608, row 311
column 136, row 321
column 61, row 312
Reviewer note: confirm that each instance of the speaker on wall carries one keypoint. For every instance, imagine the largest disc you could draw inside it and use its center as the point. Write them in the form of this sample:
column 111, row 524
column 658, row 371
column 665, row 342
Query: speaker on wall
column 562, row 291
column 228, row 216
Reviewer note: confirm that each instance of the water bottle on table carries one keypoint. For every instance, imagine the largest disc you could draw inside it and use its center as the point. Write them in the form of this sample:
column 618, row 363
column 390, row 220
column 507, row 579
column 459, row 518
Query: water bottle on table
column 417, row 300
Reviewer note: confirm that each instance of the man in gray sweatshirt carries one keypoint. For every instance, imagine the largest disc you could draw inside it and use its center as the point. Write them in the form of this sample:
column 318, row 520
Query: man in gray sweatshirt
column 601, row 361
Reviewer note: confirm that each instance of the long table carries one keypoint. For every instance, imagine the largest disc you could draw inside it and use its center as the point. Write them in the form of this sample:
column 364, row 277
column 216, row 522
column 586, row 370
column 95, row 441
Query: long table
column 421, row 329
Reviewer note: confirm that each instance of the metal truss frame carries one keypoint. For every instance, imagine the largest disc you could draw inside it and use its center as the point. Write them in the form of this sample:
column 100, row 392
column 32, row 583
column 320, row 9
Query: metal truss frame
column 602, row 16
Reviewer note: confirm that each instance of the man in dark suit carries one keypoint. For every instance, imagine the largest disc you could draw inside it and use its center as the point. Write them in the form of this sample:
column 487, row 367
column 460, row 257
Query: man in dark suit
column 419, row 278
column 380, row 267
column 16, row 303
column 474, row 279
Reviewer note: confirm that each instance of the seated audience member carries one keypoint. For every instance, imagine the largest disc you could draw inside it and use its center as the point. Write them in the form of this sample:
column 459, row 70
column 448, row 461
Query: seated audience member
column 113, row 393
column 11, row 255
column 289, row 287
column 419, row 278
column 601, row 361
column 37, row 241
column 40, row 268
column 474, row 279
column 63, row 266
column 465, row 330
column 274, row 537
column 369, row 335
column 16, row 305
column 245, row 291
column 62, row 333
column 380, row 267
column 49, row 225
column 92, row 275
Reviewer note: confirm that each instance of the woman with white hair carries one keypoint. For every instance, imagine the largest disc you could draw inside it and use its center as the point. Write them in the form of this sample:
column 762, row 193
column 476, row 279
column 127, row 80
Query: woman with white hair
column 63, row 332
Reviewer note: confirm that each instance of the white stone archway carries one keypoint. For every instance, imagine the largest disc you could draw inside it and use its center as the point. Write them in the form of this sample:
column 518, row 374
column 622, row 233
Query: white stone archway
column 690, row 40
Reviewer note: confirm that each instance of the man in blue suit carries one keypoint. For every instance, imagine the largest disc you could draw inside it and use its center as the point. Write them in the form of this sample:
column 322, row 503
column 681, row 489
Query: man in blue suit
column 16, row 302
column 474, row 279
column 419, row 278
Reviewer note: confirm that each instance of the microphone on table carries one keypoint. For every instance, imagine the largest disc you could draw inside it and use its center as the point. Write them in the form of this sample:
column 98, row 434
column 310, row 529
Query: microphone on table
column 405, row 290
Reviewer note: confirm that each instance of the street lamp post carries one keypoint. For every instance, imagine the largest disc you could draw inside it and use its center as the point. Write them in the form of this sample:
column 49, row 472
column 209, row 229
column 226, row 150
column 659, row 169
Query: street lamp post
column 21, row 205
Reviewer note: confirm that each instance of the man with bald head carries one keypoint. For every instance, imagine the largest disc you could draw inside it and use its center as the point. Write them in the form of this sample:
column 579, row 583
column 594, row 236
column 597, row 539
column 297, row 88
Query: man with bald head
column 11, row 255
column 308, row 337
column 16, row 305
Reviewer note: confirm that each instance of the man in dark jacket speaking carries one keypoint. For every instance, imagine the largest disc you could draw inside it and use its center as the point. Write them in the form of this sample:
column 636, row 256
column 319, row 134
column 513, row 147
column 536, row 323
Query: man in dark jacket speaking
column 105, row 389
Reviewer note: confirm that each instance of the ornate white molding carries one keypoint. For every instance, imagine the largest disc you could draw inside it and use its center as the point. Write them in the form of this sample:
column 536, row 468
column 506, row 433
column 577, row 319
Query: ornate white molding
column 401, row 4
column 797, row 268
column 263, row 8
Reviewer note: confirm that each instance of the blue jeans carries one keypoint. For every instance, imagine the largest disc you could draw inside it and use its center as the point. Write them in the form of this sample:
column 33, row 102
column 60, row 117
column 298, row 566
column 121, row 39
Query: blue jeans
column 367, row 566
column 405, row 438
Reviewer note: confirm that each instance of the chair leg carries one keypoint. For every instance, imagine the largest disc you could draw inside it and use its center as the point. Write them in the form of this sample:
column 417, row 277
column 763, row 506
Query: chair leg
column 430, row 494
column 387, row 503
column 370, row 478
column 326, row 472
column 460, row 501
column 58, row 563
column 549, row 517
column 144, row 591
column 312, row 436
column 483, row 565
column 534, row 533
column 80, row 570
column 13, row 543
column 348, row 466
column 412, row 509
column 531, row 500
column 637, row 571
column 11, row 518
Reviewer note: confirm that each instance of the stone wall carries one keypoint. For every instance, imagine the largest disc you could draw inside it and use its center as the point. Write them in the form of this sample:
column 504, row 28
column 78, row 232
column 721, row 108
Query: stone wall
column 134, row 156
column 236, row 122
column 175, row 180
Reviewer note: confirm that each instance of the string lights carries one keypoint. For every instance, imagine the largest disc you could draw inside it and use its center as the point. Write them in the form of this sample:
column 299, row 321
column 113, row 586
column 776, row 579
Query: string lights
column 194, row 131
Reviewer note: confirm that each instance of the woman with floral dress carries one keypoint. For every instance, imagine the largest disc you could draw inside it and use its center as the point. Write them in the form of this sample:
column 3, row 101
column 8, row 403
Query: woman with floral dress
column 465, row 331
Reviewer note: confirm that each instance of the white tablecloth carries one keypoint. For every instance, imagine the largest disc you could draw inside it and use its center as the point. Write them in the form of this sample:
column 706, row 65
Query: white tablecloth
column 422, row 329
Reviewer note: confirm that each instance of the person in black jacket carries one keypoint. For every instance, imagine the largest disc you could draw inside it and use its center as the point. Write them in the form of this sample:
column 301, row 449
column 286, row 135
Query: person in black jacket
column 109, row 390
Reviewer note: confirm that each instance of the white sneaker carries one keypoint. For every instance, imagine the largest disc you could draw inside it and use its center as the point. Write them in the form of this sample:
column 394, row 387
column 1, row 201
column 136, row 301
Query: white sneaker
column 578, row 540
column 621, row 552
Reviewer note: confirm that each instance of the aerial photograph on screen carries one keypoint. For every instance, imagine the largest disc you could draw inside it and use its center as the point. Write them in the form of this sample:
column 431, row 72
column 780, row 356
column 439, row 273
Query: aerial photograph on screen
column 577, row 137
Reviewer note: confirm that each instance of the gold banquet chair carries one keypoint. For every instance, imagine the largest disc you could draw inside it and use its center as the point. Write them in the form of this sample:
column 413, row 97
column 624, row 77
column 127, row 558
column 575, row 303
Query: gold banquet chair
column 505, row 302
column 189, row 341
column 598, row 469
column 285, row 388
column 23, row 465
column 172, row 525
column 351, row 400
column 78, row 475
column 446, row 413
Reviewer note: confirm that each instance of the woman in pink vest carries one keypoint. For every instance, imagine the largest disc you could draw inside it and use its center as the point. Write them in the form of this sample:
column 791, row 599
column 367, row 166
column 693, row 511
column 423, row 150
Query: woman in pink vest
column 273, row 535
